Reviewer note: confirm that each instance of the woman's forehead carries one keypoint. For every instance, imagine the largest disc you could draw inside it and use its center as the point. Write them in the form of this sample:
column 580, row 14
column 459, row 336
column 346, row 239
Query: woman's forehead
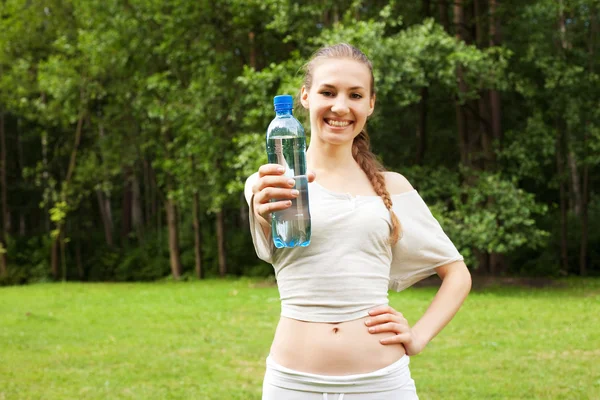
column 342, row 72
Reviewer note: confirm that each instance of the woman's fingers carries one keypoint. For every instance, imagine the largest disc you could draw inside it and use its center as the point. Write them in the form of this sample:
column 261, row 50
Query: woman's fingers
column 270, row 181
column 268, row 208
column 270, row 193
column 398, row 339
column 273, row 175
column 387, row 327
column 383, row 318
column 384, row 309
column 276, row 169
column 264, row 206
column 270, row 169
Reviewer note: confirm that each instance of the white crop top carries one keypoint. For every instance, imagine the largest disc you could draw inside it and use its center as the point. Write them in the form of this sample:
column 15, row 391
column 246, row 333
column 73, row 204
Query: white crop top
column 349, row 265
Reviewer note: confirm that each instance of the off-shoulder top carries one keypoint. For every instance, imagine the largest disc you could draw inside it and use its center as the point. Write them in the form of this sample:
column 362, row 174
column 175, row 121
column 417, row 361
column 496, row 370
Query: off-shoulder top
column 349, row 265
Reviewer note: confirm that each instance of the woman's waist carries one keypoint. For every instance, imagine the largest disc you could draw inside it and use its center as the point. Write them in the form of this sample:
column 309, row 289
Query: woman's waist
column 330, row 303
column 332, row 348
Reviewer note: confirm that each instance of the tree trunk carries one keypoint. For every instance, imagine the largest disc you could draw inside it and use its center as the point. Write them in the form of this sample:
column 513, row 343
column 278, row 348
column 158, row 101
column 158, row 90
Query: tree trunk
column 564, row 256
column 20, row 152
column 244, row 212
column 79, row 262
column 483, row 262
column 171, row 209
column 153, row 194
column 56, row 242
column 55, row 256
column 336, row 13
column 495, row 105
column 585, row 195
column 423, row 104
column 126, row 206
column 461, row 120
column 63, row 255
column 497, row 264
column 221, row 243
column 45, row 175
column 4, row 196
column 137, row 218
column 147, row 192
column 482, row 105
column 575, row 191
column 326, row 17
column 197, row 236
column 422, row 128
column 584, row 217
column 252, row 50
column 104, row 202
column 575, row 180
column 426, row 8
column 22, row 225
column 478, row 19
column 562, row 26
column 109, row 220
column 444, row 19
column 21, row 163
column 105, row 214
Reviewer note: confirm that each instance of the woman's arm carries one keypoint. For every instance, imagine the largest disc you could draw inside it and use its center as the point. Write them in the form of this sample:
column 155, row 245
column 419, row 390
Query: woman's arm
column 456, row 284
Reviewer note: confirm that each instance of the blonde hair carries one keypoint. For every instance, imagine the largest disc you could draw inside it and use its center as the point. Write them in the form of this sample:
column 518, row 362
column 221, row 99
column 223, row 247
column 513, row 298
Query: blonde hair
column 361, row 147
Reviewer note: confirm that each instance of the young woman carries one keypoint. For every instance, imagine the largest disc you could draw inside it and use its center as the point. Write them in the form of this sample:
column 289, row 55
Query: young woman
column 337, row 337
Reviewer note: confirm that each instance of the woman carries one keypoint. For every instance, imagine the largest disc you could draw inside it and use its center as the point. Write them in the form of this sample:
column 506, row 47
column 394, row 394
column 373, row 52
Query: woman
column 337, row 335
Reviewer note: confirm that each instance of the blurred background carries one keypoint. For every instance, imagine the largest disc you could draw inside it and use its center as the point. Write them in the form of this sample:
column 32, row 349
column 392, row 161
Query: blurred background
column 127, row 128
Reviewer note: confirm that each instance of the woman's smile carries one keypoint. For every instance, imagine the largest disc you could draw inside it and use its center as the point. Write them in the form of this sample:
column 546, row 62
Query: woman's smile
column 337, row 124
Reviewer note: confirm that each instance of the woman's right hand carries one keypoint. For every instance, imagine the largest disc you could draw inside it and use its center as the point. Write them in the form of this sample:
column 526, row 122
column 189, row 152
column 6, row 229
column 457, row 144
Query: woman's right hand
column 273, row 184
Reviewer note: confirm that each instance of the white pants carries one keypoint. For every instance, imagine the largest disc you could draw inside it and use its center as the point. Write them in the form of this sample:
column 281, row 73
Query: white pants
column 390, row 383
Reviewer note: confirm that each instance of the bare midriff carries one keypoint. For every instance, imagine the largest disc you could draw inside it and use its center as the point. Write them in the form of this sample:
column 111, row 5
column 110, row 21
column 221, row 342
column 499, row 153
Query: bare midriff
column 343, row 348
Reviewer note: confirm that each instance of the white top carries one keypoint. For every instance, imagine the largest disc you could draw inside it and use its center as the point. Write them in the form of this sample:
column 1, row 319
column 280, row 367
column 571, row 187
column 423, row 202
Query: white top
column 349, row 265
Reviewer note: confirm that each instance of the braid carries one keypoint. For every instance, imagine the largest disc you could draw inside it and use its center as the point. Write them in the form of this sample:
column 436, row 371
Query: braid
column 366, row 159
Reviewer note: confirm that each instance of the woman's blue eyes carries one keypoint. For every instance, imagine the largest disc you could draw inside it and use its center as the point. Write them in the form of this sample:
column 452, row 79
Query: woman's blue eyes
column 330, row 94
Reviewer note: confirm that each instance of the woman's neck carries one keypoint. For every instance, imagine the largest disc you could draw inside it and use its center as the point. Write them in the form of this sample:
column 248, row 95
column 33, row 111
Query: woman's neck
column 330, row 158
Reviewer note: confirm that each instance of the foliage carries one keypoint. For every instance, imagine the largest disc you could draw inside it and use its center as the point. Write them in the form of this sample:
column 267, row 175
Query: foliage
column 113, row 109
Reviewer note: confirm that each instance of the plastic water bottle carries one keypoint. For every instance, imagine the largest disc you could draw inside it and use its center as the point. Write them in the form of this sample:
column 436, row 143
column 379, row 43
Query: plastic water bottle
column 286, row 146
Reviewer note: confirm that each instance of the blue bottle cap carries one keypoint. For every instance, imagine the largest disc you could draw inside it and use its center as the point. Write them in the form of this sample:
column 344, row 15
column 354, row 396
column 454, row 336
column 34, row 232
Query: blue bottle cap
column 283, row 102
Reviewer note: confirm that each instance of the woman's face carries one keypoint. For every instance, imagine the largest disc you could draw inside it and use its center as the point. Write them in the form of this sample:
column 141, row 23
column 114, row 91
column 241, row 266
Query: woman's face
column 339, row 100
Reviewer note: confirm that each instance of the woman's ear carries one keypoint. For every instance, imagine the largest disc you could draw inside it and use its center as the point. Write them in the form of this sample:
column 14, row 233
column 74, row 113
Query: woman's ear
column 304, row 97
column 371, row 105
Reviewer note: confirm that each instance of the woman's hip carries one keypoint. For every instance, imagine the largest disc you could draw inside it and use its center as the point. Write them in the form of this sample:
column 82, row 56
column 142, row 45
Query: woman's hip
column 391, row 382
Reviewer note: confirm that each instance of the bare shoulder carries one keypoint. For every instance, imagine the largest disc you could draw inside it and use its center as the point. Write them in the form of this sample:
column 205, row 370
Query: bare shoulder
column 396, row 183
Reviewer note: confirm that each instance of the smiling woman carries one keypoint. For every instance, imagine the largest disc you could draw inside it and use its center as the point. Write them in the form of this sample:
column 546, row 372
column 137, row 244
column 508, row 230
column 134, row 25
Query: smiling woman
column 370, row 231
column 340, row 98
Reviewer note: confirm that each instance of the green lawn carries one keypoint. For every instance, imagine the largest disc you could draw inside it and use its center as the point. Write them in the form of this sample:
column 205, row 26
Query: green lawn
column 209, row 340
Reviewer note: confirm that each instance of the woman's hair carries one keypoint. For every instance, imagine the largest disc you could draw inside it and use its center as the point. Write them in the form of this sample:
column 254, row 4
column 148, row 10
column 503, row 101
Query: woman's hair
column 361, row 148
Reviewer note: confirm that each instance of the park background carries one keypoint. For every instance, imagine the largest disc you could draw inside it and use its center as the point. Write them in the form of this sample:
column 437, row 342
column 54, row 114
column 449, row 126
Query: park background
column 128, row 128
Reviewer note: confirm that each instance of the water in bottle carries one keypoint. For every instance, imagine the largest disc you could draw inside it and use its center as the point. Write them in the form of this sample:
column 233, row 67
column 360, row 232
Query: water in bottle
column 286, row 145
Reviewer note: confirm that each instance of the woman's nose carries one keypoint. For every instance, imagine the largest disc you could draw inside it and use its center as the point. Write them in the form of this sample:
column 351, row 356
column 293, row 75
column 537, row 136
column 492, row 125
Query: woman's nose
column 340, row 107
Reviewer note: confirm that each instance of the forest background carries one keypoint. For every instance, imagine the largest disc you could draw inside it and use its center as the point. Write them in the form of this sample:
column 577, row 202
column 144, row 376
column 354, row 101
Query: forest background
column 127, row 128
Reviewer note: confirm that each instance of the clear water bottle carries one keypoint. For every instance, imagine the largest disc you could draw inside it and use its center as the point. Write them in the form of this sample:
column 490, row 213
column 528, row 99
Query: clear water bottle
column 286, row 145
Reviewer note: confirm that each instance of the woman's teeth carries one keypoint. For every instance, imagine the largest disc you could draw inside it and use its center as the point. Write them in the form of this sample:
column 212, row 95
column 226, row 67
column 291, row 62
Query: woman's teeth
column 337, row 123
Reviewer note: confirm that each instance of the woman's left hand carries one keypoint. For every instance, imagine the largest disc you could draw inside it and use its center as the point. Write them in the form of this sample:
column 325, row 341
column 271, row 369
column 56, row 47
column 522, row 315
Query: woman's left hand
column 387, row 319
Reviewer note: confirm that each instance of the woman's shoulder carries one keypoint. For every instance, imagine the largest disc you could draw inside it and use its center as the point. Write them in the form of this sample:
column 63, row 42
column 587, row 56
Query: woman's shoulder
column 396, row 183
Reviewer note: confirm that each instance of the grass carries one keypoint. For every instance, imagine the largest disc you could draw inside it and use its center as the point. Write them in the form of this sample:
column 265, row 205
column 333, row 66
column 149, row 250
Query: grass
column 209, row 340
